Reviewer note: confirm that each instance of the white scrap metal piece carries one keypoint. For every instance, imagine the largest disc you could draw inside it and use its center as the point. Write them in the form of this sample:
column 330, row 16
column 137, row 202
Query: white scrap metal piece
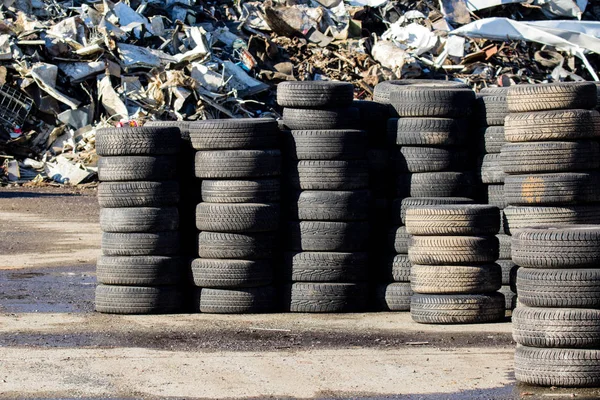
column 110, row 99
column 79, row 71
column 45, row 76
column 129, row 20
column 552, row 8
column 65, row 172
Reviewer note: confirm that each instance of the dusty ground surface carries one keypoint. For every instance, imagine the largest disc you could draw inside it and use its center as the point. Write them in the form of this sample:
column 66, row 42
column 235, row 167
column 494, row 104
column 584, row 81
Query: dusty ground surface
column 52, row 345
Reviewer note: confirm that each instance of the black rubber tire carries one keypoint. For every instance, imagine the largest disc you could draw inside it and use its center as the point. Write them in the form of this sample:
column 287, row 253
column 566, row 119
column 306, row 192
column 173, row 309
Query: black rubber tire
column 556, row 327
column 382, row 91
column 235, row 301
column 493, row 137
column 409, row 202
column 457, row 308
column 432, row 102
column 576, row 246
column 495, row 196
column 314, row 94
column 323, row 205
column 137, row 141
column 226, row 274
column 566, row 188
column 241, row 191
column 243, row 246
column 312, row 297
column 138, row 194
column 552, row 125
column 241, row 164
column 551, row 96
column 393, row 296
column 491, row 169
column 535, row 216
column 564, row 288
column 183, row 126
column 139, row 271
column 329, row 175
column 237, row 218
column 510, row 298
column 399, row 239
column 557, row 367
column 234, row 134
column 310, row 119
column 491, row 109
column 453, row 219
column 435, row 184
column 139, row 219
column 427, row 131
column 428, row 159
column 325, row 267
column 397, row 269
column 327, row 236
column 137, row 299
column 455, row 279
column 452, row 250
column 505, row 246
column 509, row 269
column 140, row 244
column 539, row 157
column 325, row 144
column 137, row 168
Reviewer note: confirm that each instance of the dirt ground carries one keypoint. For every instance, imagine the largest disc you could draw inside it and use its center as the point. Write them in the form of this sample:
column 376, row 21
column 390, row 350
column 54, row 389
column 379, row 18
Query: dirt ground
column 52, row 344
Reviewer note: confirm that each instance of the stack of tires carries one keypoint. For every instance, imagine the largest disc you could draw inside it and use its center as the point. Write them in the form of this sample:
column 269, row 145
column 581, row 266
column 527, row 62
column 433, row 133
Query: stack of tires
column 239, row 162
column 140, row 268
column 453, row 252
column 557, row 323
column 326, row 217
column 552, row 155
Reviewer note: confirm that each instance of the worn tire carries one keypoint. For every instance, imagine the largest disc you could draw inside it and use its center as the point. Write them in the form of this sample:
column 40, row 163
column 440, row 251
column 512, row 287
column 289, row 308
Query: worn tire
column 505, row 247
column 509, row 270
column 540, row 157
column 551, row 96
column 139, row 219
column 453, row 219
column 311, row 297
column 491, row 169
column 139, row 271
column 314, row 94
column 311, row 119
column 566, row 188
column 565, row 288
column 140, row 244
column 325, row 267
column 183, row 126
column 428, row 159
column 510, row 298
column 455, row 279
column 137, row 168
column 138, row 194
column 327, row 236
column 399, row 239
column 409, row 202
column 427, row 131
column 237, row 218
column 242, row 246
column 231, row 273
column 539, row 216
column 241, row 191
column 331, row 144
column 494, row 139
column 329, row 175
column 397, row 269
column 137, row 141
column 491, row 108
column 242, row 164
column 235, row 301
column 435, row 184
column 382, row 91
column 557, row 367
column 452, row 250
column 495, row 196
column 137, row 299
column 457, row 308
column 322, row 205
column 432, row 102
column 552, row 125
column 234, row 134
column 393, row 296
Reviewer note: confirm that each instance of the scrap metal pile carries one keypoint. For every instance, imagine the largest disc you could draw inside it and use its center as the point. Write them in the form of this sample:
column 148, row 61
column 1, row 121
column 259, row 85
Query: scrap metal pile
column 69, row 68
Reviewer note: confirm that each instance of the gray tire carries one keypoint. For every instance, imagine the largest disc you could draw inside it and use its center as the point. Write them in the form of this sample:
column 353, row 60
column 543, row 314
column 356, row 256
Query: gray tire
column 453, row 219
column 241, row 191
column 140, row 244
column 311, row 297
column 314, row 94
column 139, row 271
column 427, row 131
column 234, row 134
column 329, row 175
column 332, row 144
column 551, row 96
column 237, row 164
column 322, row 205
column 138, row 194
column 536, row 216
column 231, row 273
column 235, row 301
column 137, row 141
column 434, row 184
column 237, row 218
column 452, row 250
column 393, row 296
column 139, row 219
column 325, row 267
column 137, row 299
column 552, row 125
column 244, row 246
column 541, row 157
column 409, row 202
column 455, row 279
column 327, row 236
column 330, row 118
column 566, row 188
column 457, row 308
column 137, row 168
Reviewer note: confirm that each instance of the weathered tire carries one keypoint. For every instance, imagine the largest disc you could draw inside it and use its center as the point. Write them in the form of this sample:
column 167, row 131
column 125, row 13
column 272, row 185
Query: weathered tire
column 509, row 269
column 311, row 297
column 137, row 168
column 332, row 144
column 330, row 118
column 232, row 164
column 327, row 236
column 493, row 137
column 539, row 157
column 566, row 188
column 393, row 296
column 139, row 219
column 322, row 205
column 234, row 134
column 237, row 218
column 557, row 367
column 428, row 159
column 325, row 267
column 397, row 269
column 242, row 246
column 137, row 299
column 183, row 126
column 409, row 202
column 505, row 247
column 140, row 244
column 535, row 216
column 139, row 271
column 453, row 219
column 492, row 108
column 452, row 250
column 510, row 298
column 551, row 96
column 241, row 191
column 399, row 239
column 137, row 141
column 491, row 169
column 314, row 94
column 561, row 247
column 552, row 125
column 235, row 301
column 432, row 102
column 382, row 91
column 138, row 194
column 455, row 279
column 495, row 196
column 329, row 175
column 231, row 273
column 427, row 131
column 565, row 288
column 457, row 309
column 435, row 184
column 556, row 327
